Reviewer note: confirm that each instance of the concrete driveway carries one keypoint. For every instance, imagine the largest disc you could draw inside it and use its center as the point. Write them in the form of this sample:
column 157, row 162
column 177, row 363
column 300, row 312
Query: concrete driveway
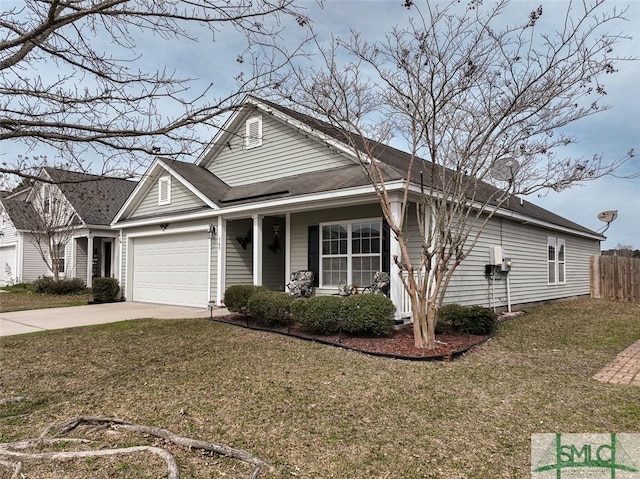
column 21, row 322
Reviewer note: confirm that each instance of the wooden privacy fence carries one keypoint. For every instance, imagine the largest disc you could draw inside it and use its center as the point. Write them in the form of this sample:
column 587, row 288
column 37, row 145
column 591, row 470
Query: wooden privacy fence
column 615, row 277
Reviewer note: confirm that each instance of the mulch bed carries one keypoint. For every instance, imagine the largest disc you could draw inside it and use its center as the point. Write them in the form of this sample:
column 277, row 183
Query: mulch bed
column 400, row 345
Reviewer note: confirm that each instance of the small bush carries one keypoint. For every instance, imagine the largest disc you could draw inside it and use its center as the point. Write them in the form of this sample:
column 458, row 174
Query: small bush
column 480, row 320
column 317, row 314
column 237, row 296
column 47, row 285
column 105, row 290
column 370, row 314
column 270, row 307
column 466, row 319
column 451, row 317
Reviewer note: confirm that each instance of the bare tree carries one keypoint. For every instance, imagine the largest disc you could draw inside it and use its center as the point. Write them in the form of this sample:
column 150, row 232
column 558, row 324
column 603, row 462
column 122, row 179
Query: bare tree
column 73, row 76
column 481, row 109
column 50, row 225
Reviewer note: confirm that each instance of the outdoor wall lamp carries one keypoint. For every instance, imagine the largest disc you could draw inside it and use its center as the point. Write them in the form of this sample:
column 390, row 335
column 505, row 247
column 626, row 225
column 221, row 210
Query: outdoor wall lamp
column 211, row 231
column 163, row 226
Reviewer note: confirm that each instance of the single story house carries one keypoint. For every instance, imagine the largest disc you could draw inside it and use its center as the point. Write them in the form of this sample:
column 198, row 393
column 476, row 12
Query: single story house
column 91, row 249
column 277, row 191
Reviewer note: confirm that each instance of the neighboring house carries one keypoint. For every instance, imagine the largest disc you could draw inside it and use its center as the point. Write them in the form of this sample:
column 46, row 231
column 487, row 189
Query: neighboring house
column 277, row 191
column 89, row 202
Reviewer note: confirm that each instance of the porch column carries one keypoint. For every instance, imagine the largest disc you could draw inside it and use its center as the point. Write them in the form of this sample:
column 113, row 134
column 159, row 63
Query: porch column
column 257, row 249
column 396, row 290
column 221, row 264
column 287, row 248
column 89, row 260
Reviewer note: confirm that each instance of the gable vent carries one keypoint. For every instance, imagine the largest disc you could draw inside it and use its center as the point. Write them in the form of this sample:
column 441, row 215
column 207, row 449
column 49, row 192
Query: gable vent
column 253, row 134
column 164, row 190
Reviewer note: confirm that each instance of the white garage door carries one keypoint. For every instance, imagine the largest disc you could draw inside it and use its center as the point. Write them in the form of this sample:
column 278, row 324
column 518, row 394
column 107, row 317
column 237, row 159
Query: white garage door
column 7, row 264
column 171, row 269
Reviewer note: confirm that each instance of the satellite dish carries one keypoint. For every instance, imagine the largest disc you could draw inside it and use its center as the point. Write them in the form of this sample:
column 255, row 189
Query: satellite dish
column 608, row 216
column 504, row 169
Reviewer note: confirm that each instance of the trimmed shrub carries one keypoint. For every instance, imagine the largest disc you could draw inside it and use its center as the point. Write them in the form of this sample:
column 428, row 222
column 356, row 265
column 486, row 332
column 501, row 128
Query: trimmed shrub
column 237, row 296
column 451, row 317
column 105, row 290
column 47, row 285
column 317, row 314
column 270, row 307
column 368, row 314
column 480, row 320
column 466, row 319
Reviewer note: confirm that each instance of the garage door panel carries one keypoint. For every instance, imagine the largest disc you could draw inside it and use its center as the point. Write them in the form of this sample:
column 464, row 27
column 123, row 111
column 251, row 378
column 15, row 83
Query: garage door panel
column 171, row 269
column 7, row 264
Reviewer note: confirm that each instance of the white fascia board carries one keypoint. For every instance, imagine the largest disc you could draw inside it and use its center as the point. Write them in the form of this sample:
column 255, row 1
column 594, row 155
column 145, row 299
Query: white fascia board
column 506, row 213
column 346, row 197
column 223, row 131
column 133, row 197
column 103, row 230
column 189, row 186
column 174, row 231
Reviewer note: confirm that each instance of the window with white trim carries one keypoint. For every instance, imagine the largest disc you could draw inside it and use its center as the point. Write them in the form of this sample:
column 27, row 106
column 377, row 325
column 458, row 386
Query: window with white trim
column 350, row 252
column 164, row 190
column 60, row 254
column 556, row 262
column 253, row 132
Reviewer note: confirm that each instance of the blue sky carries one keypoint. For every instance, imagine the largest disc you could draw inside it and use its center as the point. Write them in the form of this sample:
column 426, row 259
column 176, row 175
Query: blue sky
column 611, row 133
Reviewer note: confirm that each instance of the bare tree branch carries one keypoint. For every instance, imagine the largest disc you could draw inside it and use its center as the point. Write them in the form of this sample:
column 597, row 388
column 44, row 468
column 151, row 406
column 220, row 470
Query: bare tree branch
column 12, row 455
column 100, row 100
column 465, row 94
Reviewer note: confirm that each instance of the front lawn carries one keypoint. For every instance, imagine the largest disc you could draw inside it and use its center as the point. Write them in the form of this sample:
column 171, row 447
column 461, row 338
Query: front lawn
column 314, row 411
column 20, row 298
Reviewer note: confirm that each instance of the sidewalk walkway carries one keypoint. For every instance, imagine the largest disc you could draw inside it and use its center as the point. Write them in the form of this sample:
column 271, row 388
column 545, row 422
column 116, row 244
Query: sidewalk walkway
column 21, row 322
column 624, row 369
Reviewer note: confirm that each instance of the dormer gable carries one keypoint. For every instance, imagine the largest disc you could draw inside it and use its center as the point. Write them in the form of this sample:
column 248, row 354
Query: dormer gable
column 259, row 143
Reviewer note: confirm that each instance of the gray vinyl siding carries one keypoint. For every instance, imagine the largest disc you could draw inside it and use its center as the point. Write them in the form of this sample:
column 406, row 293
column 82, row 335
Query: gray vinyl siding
column 412, row 235
column 33, row 266
column 82, row 257
column 9, row 232
column 526, row 245
column 300, row 223
column 182, row 199
column 284, row 152
column 239, row 261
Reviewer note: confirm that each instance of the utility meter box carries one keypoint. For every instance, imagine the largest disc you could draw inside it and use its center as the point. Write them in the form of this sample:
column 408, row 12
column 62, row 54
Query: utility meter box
column 496, row 257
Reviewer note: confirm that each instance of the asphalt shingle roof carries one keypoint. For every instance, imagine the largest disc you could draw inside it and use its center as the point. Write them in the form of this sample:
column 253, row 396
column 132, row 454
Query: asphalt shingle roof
column 21, row 213
column 96, row 199
column 398, row 160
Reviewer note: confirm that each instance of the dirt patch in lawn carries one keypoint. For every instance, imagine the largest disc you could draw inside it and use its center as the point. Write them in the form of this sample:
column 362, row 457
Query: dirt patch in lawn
column 400, row 345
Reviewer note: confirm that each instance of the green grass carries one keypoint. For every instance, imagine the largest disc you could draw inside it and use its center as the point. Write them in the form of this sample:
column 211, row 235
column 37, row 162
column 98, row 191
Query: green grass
column 314, row 411
column 21, row 298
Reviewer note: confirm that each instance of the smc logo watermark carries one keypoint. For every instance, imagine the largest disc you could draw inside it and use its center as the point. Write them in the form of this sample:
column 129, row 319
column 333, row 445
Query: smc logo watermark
column 593, row 456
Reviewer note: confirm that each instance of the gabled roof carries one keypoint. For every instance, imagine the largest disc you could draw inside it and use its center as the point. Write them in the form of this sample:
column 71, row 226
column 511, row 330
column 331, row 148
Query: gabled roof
column 393, row 162
column 20, row 212
column 96, row 199
column 200, row 178
column 397, row 160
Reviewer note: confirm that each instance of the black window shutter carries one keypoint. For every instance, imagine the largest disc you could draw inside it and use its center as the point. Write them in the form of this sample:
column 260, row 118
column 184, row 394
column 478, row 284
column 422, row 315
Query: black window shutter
column 314, row 253
column 386, row 247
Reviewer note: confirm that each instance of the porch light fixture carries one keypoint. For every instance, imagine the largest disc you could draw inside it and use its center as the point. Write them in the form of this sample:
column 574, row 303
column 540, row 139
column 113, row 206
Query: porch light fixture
column 211, row 231
column 163, row 226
